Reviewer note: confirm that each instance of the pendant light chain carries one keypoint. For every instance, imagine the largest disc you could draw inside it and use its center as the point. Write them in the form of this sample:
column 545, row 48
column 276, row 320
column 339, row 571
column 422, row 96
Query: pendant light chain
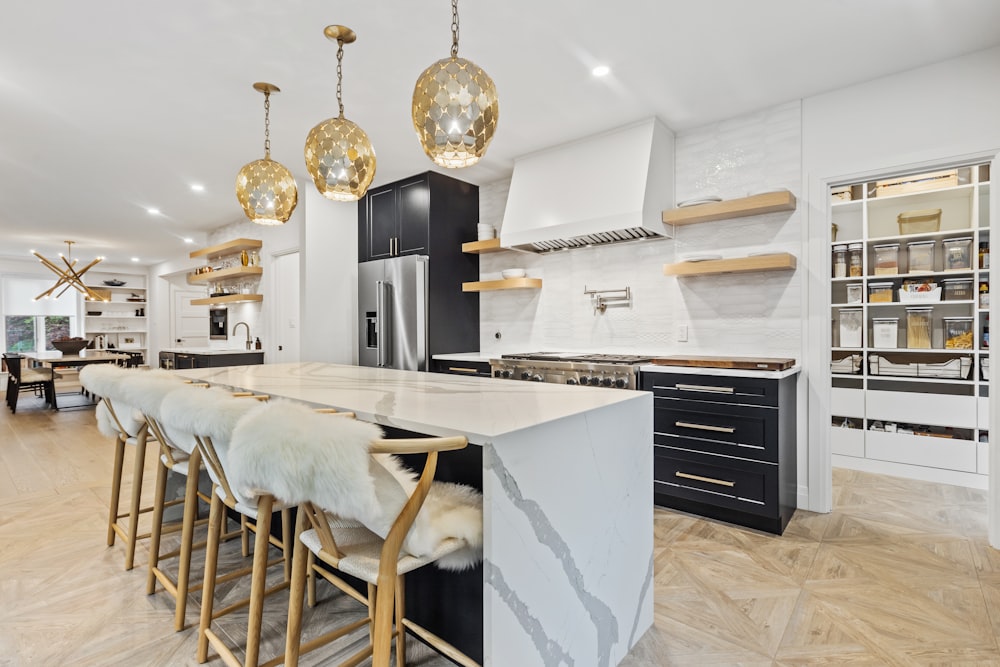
column 267, row 125
column 454, row 28
column 340, row 75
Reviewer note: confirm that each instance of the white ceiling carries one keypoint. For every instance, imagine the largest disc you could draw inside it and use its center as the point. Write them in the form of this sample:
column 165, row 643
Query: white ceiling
column 108, row 107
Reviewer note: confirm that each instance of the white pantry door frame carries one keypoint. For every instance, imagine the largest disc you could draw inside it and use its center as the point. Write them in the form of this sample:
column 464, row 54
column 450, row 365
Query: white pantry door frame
column 286, row 269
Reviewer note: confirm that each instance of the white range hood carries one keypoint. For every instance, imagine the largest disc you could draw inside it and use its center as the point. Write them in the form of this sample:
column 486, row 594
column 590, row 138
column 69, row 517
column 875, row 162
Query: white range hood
column 608, row 188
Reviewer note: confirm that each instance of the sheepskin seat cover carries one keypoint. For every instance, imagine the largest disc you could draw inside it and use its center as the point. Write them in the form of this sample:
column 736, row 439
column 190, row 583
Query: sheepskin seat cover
column 299, row 455
column 105, row 380
column 211, row 412
column 146, row 391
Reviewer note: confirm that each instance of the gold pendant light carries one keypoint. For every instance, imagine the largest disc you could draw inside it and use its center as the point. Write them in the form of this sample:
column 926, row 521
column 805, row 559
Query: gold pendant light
column 69, row 276
column 455, row 108
column 339, row 156
column 265, row 188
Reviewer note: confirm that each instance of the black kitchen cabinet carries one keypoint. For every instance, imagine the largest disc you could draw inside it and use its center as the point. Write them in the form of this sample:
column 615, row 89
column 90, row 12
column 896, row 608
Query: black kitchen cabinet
column 187, row 360
column 724, row 446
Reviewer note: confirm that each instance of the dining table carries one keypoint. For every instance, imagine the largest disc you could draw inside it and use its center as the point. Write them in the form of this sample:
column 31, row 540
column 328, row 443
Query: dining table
column 53, row 359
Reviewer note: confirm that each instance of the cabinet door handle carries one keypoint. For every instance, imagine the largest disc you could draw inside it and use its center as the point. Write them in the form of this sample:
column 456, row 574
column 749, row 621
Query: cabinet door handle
column 710, row 480
column 455, row 369
column 707, row 388
column 706, row 427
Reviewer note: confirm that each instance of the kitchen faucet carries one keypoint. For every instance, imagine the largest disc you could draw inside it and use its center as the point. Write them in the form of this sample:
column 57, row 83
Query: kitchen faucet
column 249, row 344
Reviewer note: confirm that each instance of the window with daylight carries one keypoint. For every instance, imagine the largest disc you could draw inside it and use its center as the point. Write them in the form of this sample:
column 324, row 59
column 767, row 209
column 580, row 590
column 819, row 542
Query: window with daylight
column 30, row 326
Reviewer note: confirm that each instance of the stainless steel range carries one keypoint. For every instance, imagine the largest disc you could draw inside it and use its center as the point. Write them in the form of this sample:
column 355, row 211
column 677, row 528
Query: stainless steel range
column 618, row 371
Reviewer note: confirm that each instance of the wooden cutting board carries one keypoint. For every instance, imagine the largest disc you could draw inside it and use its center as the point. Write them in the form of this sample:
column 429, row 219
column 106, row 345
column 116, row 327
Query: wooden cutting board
column 746, row 363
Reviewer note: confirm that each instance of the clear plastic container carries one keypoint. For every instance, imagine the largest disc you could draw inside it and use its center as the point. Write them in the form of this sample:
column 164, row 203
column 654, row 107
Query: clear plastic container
column 840, row 261
column 855, row 261
column 880, row 292
column 958, row 333
column 855, row 293
column 957, row 254
column 887, row 259
column 851, row 326
column 885, row 332
column 920, row 255
column 918, row 328
column 958, row 289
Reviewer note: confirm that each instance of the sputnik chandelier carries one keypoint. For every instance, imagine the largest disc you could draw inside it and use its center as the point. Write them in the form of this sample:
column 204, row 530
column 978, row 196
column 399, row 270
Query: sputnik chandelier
column 265, row 188
column 69, row 276
column 455, row 108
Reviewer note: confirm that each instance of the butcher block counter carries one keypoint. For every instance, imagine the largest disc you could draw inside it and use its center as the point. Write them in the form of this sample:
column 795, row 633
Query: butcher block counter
column 567, row 491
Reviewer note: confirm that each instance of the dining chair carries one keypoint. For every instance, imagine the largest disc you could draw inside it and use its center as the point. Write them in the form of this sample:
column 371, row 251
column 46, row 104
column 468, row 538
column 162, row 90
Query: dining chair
column 209, row 416
column 41, row 381
column 360, row 512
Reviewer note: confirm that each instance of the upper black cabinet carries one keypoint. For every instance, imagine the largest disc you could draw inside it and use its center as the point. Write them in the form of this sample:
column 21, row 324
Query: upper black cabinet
column 410, row 216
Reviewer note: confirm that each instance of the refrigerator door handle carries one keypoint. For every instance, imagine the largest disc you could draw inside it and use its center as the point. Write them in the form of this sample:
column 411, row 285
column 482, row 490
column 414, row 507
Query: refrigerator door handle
column 383, row 315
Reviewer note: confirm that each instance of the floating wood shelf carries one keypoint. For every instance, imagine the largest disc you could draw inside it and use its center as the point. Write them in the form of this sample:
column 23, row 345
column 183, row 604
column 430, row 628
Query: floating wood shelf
column 482, row 247
column 768, row 202
column 226, row 274
column 229, row 298
column 510, row 283
column 781, row 261
column 233, row 247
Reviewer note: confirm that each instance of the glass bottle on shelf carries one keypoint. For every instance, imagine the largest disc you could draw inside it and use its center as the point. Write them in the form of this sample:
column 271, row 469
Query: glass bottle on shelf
column 984, row 255
column 840, row 261
column 254, row 258
column 244, row 258
column 854, row 260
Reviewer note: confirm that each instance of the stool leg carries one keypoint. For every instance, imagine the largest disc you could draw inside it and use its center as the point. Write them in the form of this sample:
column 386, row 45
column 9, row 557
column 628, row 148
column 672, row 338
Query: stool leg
column 385, row 593
column 116, row 489
column 400, row 630
column 245, row 537
column 187, row 539
column 287, row 541
column 300, row 561
column 311, row 592
column 258, row 579
column 134, row 507
column 156, row 530
column 215, row 516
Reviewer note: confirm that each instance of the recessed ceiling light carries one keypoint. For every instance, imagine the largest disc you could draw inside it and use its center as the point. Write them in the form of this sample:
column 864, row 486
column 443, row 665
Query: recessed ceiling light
column 188, row 240
column 601, row 70
column 197, row 187
column 153, row 211
column 135, row 259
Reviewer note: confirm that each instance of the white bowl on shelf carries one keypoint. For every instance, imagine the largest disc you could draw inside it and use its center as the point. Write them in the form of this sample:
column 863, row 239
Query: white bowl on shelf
column 512, row 273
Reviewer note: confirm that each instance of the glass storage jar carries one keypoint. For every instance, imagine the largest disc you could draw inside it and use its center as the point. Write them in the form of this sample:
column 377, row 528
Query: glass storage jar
column 918, row 328
column 957, row 254
column 840, row 261
column 855, row 260
column 958, row 333
column 851, row 326
column 887, row 259
column 885, row 332
column 920, row 256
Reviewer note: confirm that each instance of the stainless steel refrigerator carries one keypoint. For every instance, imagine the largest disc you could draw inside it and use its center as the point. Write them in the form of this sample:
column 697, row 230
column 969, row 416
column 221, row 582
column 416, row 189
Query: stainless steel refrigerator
column 392, row 305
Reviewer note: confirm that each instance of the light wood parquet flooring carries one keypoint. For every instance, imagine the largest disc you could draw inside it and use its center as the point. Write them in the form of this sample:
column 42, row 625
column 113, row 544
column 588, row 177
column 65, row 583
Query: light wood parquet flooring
column 900, row 573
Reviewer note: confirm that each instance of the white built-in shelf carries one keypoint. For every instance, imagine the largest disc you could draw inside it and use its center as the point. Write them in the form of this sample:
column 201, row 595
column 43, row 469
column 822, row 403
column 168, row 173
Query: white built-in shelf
column 228, row 298
column 482, row 247
column 233, row 247
column 781, row 261
column 226, row 274
column 768, row 202
column 510, row 283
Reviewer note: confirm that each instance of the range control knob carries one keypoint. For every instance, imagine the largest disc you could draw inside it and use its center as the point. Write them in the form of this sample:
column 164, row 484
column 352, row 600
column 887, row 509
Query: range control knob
column 595, row 381
column 571, row 381
column 498, row 373
column 607, row 382
column 584, row 379
column 621, row 383
column 536, row 378
column 525, row 375
column 506, row 373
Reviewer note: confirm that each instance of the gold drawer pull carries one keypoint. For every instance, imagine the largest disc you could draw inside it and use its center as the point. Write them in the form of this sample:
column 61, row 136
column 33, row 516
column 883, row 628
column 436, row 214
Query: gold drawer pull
column 699, row 478
column 455, row 369
column 705, row 427
column 702, row 387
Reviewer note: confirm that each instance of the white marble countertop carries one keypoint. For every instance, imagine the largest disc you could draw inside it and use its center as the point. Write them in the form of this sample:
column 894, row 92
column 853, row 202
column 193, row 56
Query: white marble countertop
column 210, row 350
column 729, row 372
column 474, row 357
column 431, row 403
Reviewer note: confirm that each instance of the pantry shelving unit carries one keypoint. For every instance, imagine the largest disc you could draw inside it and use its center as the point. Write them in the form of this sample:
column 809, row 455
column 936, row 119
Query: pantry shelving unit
column 933, row 424
column 119, row 320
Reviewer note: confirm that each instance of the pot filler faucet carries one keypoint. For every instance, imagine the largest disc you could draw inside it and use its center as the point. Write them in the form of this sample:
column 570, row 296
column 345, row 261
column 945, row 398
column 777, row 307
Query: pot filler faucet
column 249, row 343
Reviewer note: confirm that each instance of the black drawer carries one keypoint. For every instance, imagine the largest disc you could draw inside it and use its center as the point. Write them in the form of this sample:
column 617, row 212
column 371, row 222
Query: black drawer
column 714, row 388
column 744, row 486
column 476, row 368
column 732, row 430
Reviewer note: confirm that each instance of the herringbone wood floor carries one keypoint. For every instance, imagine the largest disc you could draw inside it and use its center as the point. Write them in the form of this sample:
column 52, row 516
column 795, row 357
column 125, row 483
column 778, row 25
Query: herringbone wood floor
column 900, row 573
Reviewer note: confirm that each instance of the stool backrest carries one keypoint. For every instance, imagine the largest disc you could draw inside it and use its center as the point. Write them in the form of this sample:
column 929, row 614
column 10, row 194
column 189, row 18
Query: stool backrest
column 13, row 362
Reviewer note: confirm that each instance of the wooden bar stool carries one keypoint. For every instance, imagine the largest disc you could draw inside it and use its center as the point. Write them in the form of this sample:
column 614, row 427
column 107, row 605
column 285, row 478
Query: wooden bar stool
column 360, row 513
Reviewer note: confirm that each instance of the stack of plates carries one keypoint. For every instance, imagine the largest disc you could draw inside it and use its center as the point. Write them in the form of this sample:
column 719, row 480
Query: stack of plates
column 486, row 232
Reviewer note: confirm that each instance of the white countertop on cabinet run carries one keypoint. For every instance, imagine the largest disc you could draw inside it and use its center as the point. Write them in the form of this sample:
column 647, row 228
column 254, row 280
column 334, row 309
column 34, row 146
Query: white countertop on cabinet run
column 474, row 357
column 729, row 372
column 567, row 496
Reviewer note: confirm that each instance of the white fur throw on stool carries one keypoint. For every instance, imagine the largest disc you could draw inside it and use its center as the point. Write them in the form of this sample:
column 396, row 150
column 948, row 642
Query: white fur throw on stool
column 299, row 455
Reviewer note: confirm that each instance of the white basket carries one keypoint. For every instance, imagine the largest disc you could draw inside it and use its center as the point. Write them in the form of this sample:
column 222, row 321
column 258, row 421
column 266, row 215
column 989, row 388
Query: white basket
column 955, row 369
column 920, row 297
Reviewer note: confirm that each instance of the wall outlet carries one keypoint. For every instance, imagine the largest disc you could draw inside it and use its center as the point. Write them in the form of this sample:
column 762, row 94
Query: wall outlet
column 682, row 333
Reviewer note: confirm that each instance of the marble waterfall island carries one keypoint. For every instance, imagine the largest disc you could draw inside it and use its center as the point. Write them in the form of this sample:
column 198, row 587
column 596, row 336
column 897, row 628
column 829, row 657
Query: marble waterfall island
column 568, row 495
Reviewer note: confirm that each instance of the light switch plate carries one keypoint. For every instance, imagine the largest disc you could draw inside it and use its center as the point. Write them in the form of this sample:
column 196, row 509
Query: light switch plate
column 682, row 333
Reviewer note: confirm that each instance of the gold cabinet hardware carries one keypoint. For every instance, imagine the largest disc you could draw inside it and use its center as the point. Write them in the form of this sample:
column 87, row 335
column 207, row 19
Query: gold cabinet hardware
column 699, row 478
column 706, row 427
column 701, row 387
column 455, row 369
